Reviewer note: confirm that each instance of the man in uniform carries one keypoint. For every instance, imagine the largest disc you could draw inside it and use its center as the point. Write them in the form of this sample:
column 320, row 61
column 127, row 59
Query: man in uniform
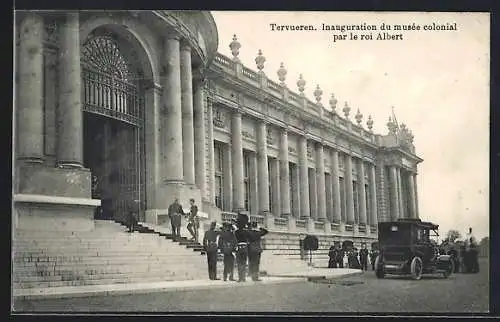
column 255, row 250
column 227, row 244
column 242, row 239
column 194, row 222
column 340, row 255
column 174, row 212
column 363, row 257
column 210, row 245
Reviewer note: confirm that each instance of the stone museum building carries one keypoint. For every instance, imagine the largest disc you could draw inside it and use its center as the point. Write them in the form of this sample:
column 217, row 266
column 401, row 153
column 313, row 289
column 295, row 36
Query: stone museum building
column 115, row 106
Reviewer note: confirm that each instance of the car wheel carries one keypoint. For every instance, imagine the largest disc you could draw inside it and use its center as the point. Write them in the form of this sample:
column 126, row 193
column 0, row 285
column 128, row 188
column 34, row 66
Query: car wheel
column 416, row 268
column 450, row 269
column 379, row 268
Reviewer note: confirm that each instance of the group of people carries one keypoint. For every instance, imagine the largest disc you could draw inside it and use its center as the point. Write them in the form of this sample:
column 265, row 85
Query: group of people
column 464, row 255
column 175, row 213
column 240, row 241
column 350, row 257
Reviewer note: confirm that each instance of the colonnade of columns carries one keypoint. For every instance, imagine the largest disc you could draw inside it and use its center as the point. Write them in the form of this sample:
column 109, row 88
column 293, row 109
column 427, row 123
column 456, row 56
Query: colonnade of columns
column 274, row 174
column 403, row 193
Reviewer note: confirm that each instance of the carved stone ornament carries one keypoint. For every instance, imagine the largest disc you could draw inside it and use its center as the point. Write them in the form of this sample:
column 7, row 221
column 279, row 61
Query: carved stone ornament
column 270, row 137
column 219, row 118
column 282, row 74
column 309, row 151
column 333, row 102
column 317, row 95
column 292, row 150
column 359, row 117
column 369, row 123
column 247, row 135
column 235, row 48
column 301, row 84
column 346, row 110
column 260, row 60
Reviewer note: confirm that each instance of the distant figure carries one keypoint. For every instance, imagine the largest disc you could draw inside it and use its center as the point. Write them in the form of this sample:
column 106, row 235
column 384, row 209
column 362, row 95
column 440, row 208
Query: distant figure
column 175, row 213
column 332, row 257
column 242, row 238
column 227, row 244
column 194, row 221
column 210, row 245
column 373, row 256
column 363, row 257
column 131, row 214
column 255, row 250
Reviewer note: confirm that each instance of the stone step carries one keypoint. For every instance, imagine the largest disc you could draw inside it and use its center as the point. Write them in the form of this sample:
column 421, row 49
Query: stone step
column 78, row 258
column 82, row 271
column 120, row 280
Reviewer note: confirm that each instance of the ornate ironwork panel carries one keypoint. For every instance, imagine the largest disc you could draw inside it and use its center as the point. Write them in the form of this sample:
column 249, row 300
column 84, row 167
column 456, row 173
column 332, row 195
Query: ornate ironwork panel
column 111, row 88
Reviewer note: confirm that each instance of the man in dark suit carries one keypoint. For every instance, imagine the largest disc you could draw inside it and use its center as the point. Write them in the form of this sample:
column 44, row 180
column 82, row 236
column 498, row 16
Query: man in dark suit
column 211, row 246
column 255, row 250
column 194, row 222
column 227, row 244
column 175, row 212
column 363, row 257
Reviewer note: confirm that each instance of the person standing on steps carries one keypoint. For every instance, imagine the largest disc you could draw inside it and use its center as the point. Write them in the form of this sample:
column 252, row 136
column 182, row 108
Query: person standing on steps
column 227, row 244
column 175, row 213
column 255, row 250
column 211, row 246
column 242, row 238
column 194, row 222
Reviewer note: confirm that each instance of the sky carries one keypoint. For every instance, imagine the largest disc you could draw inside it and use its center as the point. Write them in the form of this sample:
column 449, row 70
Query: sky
column 437, row 82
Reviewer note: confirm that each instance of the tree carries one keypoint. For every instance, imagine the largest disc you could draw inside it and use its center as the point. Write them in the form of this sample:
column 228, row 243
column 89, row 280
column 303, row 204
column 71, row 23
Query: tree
column 453, row 235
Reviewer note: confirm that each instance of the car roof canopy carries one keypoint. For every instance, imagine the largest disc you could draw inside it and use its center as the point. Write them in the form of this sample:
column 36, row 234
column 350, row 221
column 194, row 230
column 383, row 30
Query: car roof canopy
column 409, row 221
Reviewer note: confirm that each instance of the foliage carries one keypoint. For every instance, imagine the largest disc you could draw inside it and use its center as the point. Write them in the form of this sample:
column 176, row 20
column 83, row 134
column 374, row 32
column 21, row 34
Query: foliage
column 453, row 235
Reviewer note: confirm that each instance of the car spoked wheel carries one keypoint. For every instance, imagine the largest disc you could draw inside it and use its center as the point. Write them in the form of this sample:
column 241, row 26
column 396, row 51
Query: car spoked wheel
column 379, row 267
column 416, row 268
column 449, row 270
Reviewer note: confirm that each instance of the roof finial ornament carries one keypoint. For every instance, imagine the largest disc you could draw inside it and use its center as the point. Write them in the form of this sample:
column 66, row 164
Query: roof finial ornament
column 333, row 102
column 260, row 60
column 369, row 123
column 282, row 75
column 390, row 124
column 346, row 110
column 317, row 94
column 359, row 117
column 235, row 48
column 301, row 83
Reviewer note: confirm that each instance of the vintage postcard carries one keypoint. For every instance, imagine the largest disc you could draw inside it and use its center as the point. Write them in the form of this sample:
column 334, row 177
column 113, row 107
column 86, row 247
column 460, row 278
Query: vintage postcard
column 250, row 161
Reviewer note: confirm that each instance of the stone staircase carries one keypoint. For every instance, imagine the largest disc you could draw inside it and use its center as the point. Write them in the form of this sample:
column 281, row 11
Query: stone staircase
column 106, row 255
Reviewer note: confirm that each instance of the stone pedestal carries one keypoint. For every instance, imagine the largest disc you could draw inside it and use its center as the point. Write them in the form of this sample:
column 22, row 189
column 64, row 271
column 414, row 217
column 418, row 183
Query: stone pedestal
column 328, row 228
column 48, row 198
column 310, row 225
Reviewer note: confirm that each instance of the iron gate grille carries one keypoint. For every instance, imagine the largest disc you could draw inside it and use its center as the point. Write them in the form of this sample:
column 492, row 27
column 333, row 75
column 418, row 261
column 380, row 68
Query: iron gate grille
column 111, row 88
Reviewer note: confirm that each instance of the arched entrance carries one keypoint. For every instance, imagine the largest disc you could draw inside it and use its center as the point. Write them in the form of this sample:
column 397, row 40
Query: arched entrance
column 113, row 106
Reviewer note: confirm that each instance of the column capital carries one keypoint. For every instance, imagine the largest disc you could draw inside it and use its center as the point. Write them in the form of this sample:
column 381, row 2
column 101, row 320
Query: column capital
column 172, row 34
column 185, row 45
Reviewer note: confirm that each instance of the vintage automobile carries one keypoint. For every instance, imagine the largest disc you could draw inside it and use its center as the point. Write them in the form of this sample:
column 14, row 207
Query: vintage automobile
column 406, row 248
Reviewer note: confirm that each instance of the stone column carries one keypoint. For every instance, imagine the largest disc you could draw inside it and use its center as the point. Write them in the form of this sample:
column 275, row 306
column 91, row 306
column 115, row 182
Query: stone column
column 284, row 174
column 304, row 178
column 417, row 214
column 69, row 112
column 313, row 193
column 30, row 92
column 275, row 186
column 263, row 171
column 373, row 196
column 349, row 190
column 320, row 182
column 329, row 195
column 413, row 207
column 337, row 208
column 402, row 210
column 296, row 191
column 254, row 189
column 152, row 150
column 199, row 134
column 211, row 153
column 187, row 114
column 173, row 165
column 394, row 194
column 362, row 192
column 237, row 163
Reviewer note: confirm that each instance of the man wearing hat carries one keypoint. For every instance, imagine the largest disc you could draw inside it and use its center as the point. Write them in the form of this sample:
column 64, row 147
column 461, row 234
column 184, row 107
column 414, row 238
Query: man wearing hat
column 255, row 250
column 227, row 244
column 210, row 246
column 242, row 238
